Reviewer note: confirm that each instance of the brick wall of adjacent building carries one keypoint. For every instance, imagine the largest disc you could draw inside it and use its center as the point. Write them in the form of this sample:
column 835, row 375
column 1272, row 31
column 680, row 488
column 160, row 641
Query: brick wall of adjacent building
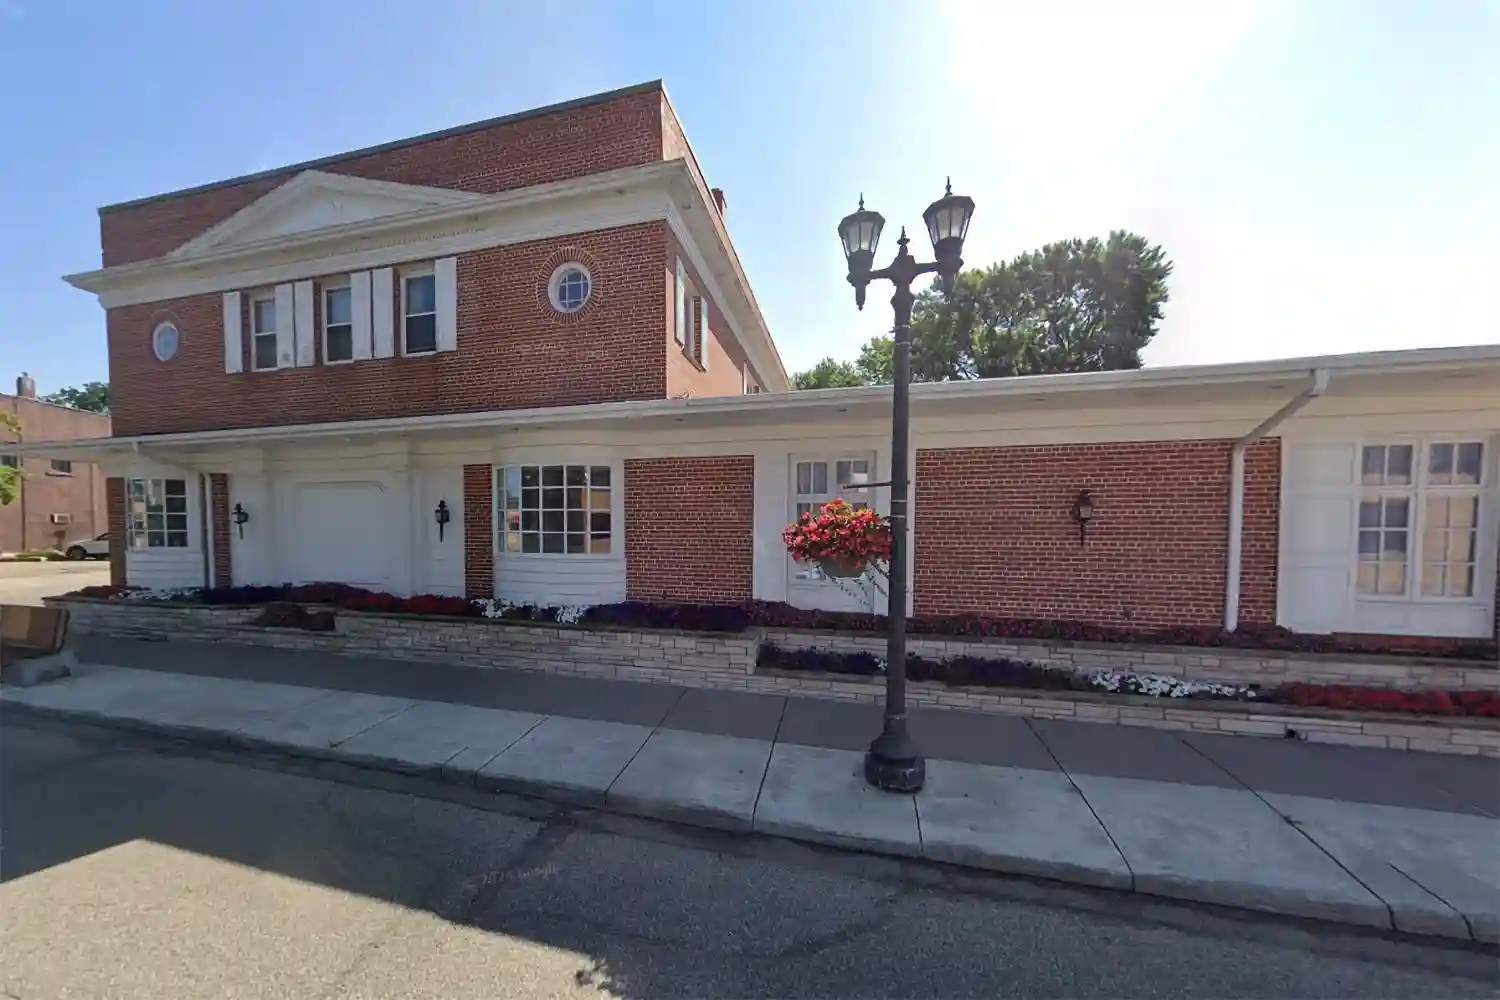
column 219, row 527
column 994, row 532
column 689, row 529
column 610, row 132
column 45, row 490
column 514, row 350
column 479, row 531
column 114, row 491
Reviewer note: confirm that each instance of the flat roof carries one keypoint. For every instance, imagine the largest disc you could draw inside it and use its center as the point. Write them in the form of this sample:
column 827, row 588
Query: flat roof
column 550, row 109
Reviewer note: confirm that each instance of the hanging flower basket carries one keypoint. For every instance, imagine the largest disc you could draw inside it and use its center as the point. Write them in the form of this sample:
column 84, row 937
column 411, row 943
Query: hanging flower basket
column 843, row 542
column 842, row 567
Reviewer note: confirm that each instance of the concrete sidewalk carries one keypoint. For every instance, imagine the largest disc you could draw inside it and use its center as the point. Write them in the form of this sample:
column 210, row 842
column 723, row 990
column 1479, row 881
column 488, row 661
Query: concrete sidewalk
column 708, row 760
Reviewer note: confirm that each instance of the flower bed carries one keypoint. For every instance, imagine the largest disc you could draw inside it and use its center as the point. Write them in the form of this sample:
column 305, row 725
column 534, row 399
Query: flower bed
column 973, row 671
column 768, row 614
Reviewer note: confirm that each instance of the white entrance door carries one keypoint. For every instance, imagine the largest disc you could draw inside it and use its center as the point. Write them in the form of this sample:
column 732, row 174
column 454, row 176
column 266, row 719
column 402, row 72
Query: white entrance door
column 815, row 480
column 341, row 533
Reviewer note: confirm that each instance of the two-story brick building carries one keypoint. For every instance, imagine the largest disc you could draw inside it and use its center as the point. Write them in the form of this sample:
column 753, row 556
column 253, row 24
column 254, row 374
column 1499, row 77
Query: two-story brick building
column 537, row 327
column 59, row 502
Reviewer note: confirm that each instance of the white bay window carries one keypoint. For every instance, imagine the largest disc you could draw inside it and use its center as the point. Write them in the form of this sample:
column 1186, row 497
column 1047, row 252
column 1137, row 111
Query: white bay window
column 564, row 510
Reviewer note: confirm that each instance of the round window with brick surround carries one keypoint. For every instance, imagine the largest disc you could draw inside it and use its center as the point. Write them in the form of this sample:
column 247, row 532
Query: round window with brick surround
column 165, row 340
column 570, row 287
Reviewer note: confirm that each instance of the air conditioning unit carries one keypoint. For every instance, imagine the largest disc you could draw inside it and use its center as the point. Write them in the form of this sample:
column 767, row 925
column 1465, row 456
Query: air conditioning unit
column 62, row 518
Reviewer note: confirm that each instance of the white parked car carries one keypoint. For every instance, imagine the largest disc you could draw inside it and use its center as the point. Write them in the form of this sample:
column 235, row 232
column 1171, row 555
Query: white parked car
column 90, row 548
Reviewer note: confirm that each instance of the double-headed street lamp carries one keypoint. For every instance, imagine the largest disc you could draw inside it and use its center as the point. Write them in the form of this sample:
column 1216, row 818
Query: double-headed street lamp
column 893, row 762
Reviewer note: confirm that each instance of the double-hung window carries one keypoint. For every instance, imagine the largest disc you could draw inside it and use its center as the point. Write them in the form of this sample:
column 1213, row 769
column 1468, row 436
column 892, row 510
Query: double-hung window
column 1419, row 518
column 158, row 514
column 338, row 324
column 418, row 313
column 263, row 332
column 556, row 509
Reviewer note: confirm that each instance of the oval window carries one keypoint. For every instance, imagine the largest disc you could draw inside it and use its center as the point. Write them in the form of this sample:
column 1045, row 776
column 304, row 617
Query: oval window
column 570, row 287
column 165, row 341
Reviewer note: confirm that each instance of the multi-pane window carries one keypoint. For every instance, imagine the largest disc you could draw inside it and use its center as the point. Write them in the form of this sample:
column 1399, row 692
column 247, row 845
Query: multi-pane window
column 556, row 509
column 263, row 332
column 419, row 314
column 10, row 461
column 158, row 514
column 61, row 466
column 338, row 325
column 817, row 481
column 1419, row 519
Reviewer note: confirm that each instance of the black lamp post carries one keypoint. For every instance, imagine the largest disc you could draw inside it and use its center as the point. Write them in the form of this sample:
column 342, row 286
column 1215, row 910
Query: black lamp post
column 893, row 762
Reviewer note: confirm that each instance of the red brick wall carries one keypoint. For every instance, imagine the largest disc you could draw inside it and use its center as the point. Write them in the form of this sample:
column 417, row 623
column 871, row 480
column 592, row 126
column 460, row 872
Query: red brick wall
column 589, row 138
column 479, row 532
column 218, row 521
column 27, row 523
column 723, row 375
column 114, row 496
column 514, row 350
column 689, row 529
column 994, row 532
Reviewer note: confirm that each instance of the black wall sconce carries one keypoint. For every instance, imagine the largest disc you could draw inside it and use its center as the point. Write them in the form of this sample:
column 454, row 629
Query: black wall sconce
column 441, row 515
column 1083, row 513
column 241, row 515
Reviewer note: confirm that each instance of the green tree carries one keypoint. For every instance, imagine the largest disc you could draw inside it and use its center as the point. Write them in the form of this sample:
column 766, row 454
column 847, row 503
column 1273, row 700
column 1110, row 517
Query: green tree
column 830, row 374
column 89, row 396
column 10, row 479
column 1078, row 305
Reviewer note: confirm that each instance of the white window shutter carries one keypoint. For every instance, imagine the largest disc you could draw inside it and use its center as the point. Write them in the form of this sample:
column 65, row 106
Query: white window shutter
column 682, row 303
column 445, row 282
column 700, row 313
column 234, row 350
column 359, row 314
column 383, row 304
column 302, row 296
column 286, row 338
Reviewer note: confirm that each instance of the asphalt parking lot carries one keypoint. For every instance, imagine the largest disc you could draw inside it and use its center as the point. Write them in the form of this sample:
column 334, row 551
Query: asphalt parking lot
column 28, row 582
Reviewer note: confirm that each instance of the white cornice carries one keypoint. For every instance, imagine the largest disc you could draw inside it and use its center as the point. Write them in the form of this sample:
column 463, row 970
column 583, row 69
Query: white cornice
column 510, row 216
column 1429, row 369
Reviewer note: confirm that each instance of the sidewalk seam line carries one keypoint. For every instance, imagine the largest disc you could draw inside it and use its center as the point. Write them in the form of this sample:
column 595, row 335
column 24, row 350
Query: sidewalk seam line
column 775, row 741
column 412, row 703
column 1087, row 804
column 1461, row 915
column 1390, row 911
column 654, row 730
column 491, row 759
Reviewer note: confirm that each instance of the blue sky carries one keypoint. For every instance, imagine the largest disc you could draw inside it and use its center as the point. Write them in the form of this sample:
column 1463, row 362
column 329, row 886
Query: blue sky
column 1323, row 173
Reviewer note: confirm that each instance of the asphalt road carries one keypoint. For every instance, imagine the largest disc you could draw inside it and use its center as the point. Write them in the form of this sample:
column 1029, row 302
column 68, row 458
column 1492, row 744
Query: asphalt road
column 134, row 870
column 28, row 582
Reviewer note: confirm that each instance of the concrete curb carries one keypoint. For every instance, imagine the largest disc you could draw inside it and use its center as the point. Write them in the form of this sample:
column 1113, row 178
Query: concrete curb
column 1233, row 895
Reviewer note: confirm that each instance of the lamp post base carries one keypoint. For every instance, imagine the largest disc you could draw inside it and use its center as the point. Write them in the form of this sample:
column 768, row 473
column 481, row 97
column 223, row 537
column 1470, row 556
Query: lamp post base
column 892, row 764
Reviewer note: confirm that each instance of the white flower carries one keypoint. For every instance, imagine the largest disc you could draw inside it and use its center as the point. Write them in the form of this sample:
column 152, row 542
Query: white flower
column 571, row 614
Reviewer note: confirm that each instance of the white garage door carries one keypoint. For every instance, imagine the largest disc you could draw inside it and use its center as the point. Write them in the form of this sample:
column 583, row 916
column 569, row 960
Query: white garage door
column 341, row 534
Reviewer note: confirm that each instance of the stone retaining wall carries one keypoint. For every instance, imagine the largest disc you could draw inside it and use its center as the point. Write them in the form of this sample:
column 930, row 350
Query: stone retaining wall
column 716, row 660
column 1238, row 666
column 1367, row 729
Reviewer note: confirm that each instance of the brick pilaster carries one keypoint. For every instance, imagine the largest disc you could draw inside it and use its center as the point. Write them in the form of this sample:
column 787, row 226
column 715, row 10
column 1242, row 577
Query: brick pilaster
column 114, row 517
column 218, row 523
column 479, row 544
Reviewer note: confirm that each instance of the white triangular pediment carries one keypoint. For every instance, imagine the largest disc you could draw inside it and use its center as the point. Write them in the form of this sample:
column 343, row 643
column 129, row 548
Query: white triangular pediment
column 313, row 201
